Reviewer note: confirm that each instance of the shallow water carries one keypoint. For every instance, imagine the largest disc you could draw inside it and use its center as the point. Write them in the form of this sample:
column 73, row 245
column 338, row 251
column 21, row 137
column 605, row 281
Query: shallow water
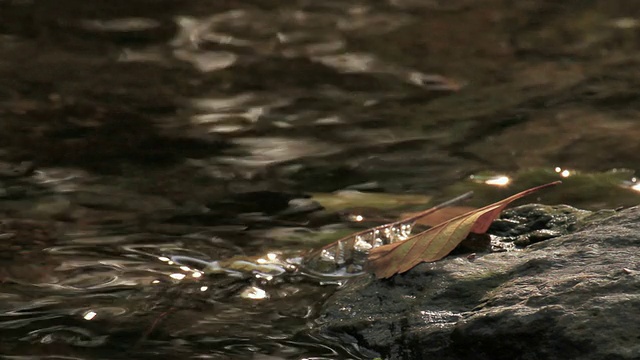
column 200, row 129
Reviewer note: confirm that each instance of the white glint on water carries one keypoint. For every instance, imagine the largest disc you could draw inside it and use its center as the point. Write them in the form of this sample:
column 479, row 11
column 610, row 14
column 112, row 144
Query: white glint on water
column 254, row 293
column 177, row 276
column 498, row 181
column 89, row 315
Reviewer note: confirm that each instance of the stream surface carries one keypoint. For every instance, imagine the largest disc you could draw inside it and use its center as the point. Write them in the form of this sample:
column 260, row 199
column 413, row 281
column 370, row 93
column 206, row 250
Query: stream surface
column 146, row 144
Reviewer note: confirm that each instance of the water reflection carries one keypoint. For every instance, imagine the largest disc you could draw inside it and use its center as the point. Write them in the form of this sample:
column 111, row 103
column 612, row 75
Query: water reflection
column 254, row 293
column 89, row 315
column 156, row 160
column 120, row 25
column 500, row 180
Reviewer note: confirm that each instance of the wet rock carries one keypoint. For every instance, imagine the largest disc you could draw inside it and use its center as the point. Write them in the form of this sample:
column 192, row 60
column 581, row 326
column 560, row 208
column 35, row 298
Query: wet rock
column 533, row 223
column 570, row 297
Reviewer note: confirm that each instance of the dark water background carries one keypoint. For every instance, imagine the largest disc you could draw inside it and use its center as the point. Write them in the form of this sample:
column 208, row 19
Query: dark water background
column 163, row 128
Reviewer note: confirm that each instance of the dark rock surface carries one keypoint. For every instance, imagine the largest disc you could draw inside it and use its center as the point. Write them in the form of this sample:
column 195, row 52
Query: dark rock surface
column 575, row 296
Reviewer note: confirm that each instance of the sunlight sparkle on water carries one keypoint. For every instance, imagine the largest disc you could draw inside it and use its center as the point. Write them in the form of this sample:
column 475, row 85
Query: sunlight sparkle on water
column 263, row 276
column 564, row 173
column 498, row 181
column 270, row 258
column 90, row 315
column 636, row 187
column 361, row 244
column 327, row 255
column 196, row 274
column 254, row 293
column 204, row 288
column 177, row 276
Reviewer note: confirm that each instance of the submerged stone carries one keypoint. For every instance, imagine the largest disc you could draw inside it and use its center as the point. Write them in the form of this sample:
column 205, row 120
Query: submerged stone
column 570, row 297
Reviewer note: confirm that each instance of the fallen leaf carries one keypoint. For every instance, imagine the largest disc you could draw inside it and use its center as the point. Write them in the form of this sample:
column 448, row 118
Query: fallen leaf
column 438, row 241
column 345, row 250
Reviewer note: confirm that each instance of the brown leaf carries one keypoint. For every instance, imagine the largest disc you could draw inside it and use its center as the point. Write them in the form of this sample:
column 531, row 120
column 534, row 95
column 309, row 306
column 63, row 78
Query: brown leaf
column 437, row 242
column 342, row 251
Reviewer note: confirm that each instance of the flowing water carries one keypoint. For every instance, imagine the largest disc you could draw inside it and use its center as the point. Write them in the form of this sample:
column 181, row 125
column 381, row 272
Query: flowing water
column 162, row 162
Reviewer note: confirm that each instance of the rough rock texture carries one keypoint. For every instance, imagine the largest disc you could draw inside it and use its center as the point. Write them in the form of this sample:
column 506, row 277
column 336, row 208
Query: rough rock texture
column 576, row 296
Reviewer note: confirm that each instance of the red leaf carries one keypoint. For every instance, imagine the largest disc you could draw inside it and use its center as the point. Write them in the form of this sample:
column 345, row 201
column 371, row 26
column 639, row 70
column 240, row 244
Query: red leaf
column 439, row 241
column 342, row 250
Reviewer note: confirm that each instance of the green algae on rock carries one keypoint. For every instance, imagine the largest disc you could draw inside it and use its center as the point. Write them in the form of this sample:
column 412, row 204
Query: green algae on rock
column 587, row 190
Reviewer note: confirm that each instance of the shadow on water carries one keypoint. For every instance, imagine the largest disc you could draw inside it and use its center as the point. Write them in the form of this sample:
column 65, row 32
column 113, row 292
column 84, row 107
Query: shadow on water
column 205, row 129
